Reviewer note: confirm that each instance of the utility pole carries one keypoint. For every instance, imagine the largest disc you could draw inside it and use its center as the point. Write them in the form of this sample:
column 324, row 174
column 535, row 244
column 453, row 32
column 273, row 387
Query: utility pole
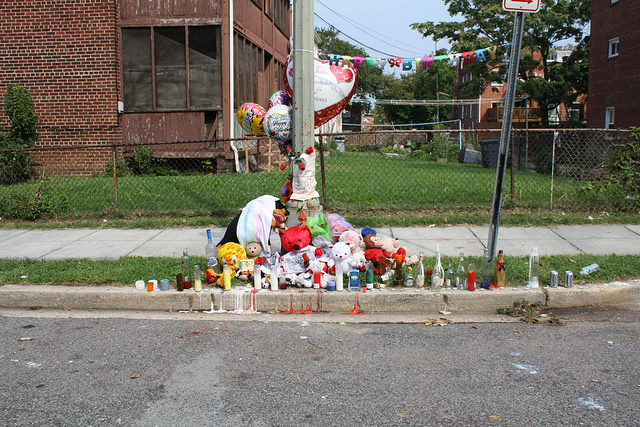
column 305, row 198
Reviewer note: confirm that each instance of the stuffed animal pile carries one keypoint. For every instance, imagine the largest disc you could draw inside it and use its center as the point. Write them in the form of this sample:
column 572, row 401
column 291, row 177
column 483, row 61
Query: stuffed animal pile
column 311, row 253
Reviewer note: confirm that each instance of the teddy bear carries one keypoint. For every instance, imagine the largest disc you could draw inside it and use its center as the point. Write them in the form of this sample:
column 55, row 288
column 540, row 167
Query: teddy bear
column 318, row 271
column 253, row 250
column 354, row 240
column 374, row 253
column 340, row 253
column 390, row 244
column 295, row 238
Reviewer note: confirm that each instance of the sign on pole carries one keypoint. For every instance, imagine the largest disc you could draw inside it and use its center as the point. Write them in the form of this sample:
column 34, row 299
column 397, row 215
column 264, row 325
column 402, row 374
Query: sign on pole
column 521, row 5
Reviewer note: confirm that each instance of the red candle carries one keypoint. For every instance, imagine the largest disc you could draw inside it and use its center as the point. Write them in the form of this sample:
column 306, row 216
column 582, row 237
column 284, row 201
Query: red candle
column 471, row 280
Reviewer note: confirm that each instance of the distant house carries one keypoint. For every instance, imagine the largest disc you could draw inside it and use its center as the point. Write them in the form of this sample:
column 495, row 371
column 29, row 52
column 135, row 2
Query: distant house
column 139, row 71
column 614, row 65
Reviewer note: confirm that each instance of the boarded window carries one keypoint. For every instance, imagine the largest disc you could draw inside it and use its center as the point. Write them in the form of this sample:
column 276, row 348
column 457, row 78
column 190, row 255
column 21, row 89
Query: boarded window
column 248, row 63
column 205, row 67
column 136, row 59
column 171, row 83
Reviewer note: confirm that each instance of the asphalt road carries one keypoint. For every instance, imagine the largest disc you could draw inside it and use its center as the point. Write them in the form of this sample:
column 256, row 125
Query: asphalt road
column 150, row 372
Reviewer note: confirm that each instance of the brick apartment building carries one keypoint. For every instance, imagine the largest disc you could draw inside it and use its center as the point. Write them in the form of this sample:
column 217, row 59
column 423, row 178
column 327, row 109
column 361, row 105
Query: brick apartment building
column 614, row 65
column 138, row 71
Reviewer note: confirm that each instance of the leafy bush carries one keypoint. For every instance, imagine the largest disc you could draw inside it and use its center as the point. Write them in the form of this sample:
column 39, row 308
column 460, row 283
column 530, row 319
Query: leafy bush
column 17, row 166
column 21, row 207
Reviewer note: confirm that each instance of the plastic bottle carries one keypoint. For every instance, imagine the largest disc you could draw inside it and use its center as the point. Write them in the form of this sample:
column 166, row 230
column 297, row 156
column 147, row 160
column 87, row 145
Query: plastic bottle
column 534, row 265
column 354, row 280
column 211, row 252
column 589, row 269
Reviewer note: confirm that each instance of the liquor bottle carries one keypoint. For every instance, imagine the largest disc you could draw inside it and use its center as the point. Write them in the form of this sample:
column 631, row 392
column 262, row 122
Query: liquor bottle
column 398, row 280
column 438, row 271
column 449, row 278
column 186, row 270
column 501, row 271
column 197, row 278
column 211, row 252
column 461, row 274
column 420, row 275
column 354, row 279
column 534, row 265
column 486, row 279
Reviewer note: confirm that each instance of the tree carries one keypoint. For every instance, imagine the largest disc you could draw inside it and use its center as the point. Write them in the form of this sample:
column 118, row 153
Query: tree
column 419, row 85
column 486, row 23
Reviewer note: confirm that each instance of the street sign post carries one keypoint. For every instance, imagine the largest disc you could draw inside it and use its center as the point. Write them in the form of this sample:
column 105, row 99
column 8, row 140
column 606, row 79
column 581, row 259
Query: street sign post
column 521, row 5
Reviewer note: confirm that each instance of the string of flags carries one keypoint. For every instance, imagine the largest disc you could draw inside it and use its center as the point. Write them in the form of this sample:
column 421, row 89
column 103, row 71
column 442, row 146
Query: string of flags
column 407, row 64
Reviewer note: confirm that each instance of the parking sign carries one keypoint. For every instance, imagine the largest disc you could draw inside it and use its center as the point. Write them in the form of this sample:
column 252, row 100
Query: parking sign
column 521, row 5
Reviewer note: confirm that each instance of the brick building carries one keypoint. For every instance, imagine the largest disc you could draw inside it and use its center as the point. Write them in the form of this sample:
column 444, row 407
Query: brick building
column 138, row 71
column 614, row 65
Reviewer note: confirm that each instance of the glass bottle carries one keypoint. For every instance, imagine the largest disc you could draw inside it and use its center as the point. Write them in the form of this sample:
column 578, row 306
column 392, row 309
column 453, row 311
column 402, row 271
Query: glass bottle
column 398, row 280
column 486, row 272
column 420, row 275
column 534, row 265
column 211, row 252
column 436, row 280
column 197, row 278
column 186, row 270
column 461, row 274
column 438, row 271
column 449, row 278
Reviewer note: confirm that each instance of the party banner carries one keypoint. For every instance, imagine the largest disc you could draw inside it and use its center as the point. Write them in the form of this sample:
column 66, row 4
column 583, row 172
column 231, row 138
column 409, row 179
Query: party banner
column 407, row 64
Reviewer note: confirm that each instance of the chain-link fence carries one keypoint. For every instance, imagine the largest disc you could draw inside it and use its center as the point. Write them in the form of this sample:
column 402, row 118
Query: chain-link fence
column 363, row 173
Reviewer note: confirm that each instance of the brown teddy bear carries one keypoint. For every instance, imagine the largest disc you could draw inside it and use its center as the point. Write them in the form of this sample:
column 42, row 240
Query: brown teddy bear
column 376, row 254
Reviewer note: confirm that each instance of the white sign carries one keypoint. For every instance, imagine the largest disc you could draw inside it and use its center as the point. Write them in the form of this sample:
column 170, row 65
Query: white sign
column 521, row 5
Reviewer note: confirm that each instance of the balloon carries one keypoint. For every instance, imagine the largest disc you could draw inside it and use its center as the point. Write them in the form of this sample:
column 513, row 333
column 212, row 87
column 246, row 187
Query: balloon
column 277, row 123
column 334, row 86
column 279, row 98
column 250, row 117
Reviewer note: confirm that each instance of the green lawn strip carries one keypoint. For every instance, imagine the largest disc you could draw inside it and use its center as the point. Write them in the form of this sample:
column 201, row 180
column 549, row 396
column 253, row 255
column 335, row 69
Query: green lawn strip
column 127, row 270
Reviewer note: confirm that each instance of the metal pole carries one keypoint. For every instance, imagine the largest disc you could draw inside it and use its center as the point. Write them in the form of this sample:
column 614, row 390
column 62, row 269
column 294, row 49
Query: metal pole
column 303, row 75
column 505, row 135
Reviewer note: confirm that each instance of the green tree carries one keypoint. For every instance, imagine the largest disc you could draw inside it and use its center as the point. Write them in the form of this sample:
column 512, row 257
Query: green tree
column 429, row 84
column 486, row 23
column 16, row 165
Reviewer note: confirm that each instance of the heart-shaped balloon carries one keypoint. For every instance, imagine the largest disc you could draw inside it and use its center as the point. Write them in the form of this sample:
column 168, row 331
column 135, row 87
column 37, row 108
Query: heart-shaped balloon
column 333, row 87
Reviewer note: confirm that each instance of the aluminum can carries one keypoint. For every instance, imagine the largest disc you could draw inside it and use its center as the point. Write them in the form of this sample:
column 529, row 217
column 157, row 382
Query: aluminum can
column 568, row 279
column 553, row 278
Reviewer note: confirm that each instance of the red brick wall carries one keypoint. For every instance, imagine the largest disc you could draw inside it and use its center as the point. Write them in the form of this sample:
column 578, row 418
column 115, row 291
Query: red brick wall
column 614, row 82
column 65, row 53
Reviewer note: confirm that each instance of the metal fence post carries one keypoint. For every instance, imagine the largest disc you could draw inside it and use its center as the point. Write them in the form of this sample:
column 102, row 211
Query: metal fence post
column 115, row 174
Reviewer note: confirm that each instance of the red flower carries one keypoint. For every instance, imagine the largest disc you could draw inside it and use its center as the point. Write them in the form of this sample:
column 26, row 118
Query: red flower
column 287, row 149
column 282, row 166
column 309, row 150
column 301, row 166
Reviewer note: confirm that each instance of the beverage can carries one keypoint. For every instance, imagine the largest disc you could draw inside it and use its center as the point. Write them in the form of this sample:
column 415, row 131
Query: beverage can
column 568, row 279
column 553, row 278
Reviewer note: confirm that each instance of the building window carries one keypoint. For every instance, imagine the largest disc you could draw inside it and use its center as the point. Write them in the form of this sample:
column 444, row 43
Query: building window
column 613, row 47
column 609, row 118
column 282, row 15
column 614, row 1
column 184, row 72
column 248, row 66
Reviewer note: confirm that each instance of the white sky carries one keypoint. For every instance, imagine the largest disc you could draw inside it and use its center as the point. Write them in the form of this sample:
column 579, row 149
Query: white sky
column 383, row 25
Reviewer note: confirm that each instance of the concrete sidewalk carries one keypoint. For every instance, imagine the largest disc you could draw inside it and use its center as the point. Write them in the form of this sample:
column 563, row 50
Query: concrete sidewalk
column 516, row 241
column 109, row 243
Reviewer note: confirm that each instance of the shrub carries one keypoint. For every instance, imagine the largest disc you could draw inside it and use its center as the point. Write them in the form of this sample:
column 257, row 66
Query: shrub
column 17, row 166
column 43, row 204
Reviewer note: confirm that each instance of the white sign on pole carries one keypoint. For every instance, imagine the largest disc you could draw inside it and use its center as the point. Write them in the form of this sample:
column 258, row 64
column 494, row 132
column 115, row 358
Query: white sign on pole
column 521, row 5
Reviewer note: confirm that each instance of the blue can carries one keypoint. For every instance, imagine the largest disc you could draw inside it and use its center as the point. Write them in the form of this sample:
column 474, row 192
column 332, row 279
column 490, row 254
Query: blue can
column 331, row 285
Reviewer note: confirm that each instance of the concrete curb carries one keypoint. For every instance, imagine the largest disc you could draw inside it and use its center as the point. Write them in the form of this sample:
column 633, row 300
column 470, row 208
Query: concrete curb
column 405, row 300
